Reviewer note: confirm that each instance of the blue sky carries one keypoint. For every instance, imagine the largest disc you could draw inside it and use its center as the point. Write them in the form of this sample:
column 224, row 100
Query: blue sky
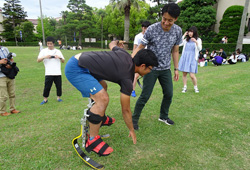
column 52, row 8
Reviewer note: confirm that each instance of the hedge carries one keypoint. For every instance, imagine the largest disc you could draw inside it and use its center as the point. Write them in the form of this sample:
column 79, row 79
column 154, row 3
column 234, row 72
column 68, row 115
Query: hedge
column 228, row 48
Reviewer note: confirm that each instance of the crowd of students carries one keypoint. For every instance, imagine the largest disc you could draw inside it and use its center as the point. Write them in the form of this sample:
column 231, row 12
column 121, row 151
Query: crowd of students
column 220, row 57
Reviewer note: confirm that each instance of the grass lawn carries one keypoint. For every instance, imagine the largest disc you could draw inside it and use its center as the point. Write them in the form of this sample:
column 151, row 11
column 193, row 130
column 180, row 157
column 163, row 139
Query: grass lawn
column 211, row 131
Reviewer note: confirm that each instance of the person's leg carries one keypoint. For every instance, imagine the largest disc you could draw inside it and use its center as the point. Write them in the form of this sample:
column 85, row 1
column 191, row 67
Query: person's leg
column 166, row 83
column 58, row 83
column 194, row 80
column 11, row 92
column 148, row 85
column 104, row 84
column 47, row 86
column 184, row 79
column 3, row 94
column 101, row 102
column 134, row 84
column 215, row 62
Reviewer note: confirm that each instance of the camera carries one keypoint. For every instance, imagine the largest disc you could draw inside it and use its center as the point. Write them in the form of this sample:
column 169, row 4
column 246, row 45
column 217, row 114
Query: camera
column 9, row 57
column 52, row 56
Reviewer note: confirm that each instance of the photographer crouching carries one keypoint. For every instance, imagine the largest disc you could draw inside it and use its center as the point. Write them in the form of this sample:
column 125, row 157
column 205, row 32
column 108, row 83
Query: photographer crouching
column 8, row 71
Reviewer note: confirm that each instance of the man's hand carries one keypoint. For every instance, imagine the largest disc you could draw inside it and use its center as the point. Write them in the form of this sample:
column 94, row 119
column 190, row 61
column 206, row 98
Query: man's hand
column 56, row 56
column 132, row 134
column 121, row 44
column 8, row 66
column 176, row 75
column 3, row 61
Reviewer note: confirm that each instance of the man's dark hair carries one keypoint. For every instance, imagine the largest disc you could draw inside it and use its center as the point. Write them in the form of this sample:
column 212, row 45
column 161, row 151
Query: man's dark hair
column 172, row 9
column 145, row 24
column 147, row 57
column 50, row 39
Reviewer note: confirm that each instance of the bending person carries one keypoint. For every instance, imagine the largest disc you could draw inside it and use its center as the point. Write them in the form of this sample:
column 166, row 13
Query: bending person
column 88, row 71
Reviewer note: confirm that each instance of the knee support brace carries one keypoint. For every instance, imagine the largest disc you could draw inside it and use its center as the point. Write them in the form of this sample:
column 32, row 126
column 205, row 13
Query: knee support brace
column 94, row 118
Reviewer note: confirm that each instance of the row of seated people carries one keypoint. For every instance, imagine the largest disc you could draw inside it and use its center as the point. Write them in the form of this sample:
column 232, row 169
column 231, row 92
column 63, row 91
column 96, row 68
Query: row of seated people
column 63, row 47
column 220, row 57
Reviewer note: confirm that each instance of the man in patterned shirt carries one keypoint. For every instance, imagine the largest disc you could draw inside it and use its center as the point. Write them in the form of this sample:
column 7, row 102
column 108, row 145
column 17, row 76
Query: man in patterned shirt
column 163, row 38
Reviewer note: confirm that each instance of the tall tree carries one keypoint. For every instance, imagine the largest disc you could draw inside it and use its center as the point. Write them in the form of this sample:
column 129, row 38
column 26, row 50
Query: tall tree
column 199, row 13
column 15, row 15
column 102, row 14
column 27, row 29
column 82, row 16
column 125, row 6
column 242, row 26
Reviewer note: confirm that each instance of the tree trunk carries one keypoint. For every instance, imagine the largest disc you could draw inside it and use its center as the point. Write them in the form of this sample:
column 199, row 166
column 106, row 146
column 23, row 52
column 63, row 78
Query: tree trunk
column 126, row 26
column 242, row 26
column 80, row 38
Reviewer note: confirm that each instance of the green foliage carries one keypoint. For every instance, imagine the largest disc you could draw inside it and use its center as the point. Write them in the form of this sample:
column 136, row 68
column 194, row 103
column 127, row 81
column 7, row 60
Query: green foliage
column 48, row 28
column 230, row 24
column 199, row 13
column 80, row 20
column 14, row 16
column 27, row 29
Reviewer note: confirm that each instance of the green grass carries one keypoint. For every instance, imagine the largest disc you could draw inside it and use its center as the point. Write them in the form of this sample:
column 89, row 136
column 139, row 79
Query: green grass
column 211, row 131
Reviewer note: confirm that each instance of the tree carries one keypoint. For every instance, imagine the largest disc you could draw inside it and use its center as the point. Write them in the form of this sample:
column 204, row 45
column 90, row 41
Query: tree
column 125, row 6
column 48, row 28
column 102, row 14
column 199, row 13
column 15, row 15
column 242, row 26
column 82, row 18
column 230, row 24
column 27, row 29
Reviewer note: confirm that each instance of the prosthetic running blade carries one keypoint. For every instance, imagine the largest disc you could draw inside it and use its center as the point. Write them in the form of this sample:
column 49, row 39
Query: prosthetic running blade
column 83, row 156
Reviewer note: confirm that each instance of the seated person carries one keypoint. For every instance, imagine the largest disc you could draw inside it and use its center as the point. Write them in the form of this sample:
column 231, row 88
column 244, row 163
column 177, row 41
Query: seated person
column 79, row 47
column 206, row 55
column 217, row 60
column 240, row 56
column 201, row 57
column 222, row 53
column 213, row 54
column 224, row 40
column 232, row 59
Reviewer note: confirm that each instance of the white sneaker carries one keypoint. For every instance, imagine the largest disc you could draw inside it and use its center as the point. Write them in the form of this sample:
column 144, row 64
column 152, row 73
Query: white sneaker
column 184, row 90
column 196, row 90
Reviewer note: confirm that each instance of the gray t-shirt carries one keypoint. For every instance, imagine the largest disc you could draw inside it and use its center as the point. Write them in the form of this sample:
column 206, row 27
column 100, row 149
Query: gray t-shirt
column 161, row 43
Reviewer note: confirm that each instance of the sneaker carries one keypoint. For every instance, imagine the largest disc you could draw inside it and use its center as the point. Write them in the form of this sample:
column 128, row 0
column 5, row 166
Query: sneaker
column 136, row 127
column 59, row 100
column 43, row 102
column 184, row 90
column 133, row 94
column 196, row 90
column 167, row 121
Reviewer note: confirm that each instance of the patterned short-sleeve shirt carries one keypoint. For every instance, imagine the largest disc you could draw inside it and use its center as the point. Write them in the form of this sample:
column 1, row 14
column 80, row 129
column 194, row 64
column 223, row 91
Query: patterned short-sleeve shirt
column 161, row 43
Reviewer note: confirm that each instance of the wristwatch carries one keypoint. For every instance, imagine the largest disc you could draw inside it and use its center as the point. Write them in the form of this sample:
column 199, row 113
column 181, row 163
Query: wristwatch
column 175, row 69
